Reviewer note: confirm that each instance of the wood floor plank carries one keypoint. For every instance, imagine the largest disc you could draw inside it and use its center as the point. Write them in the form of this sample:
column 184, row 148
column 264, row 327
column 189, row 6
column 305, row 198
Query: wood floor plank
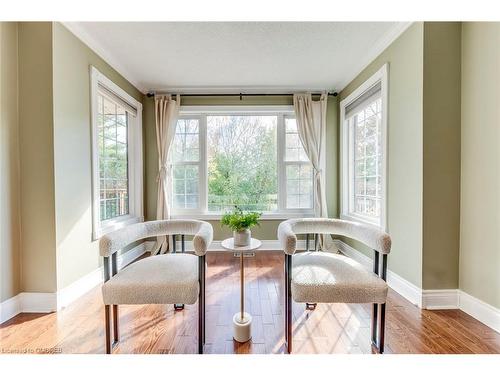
column 330, row 328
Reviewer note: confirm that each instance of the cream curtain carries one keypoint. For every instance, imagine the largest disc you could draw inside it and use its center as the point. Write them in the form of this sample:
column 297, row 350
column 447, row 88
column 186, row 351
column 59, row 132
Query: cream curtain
column 311, row 126
column 166, row 113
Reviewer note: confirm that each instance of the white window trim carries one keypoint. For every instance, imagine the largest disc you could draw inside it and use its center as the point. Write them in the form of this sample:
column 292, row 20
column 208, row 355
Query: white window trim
column 346, row 162
column 135, row 165
column 281, row 111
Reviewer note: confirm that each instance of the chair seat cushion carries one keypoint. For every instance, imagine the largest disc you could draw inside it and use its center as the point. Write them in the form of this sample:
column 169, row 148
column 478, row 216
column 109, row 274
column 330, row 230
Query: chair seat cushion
column 159, row 279
column 329, row 278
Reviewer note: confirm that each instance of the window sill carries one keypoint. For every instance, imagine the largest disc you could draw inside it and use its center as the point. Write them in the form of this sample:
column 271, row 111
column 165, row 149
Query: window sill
column 268, row 216
column 115, row 225
column 362, row 220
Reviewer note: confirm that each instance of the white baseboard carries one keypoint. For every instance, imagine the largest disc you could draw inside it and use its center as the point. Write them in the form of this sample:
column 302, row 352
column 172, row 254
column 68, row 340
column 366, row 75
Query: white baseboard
column 27, row 302
column 427, row 299
column 480, row 310
column 81, row 286
column 402, row 286
column 436, row 299
column 78, row 288
column 49, row 302
column 10, row 308
column 440, row 299
column 38, row 302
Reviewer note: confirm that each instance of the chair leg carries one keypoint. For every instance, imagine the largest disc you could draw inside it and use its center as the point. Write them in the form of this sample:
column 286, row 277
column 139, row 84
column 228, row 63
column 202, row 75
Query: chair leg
column 374, row 323
column 107, row 323
column 289, row 325
column 116, row 332
column 201, row 304
column 288, row 303
column 381, row 332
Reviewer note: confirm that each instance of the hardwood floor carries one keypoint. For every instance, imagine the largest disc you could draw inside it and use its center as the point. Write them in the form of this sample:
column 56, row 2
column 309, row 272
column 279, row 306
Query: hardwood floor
column 334, row 328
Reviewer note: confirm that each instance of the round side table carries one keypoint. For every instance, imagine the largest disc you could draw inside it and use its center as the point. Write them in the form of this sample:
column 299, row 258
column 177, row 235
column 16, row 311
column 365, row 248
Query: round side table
column 242, row 321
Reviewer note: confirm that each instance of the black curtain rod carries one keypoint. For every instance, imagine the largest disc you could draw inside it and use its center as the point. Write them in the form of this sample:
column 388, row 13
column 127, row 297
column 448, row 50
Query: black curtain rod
column 240, row 95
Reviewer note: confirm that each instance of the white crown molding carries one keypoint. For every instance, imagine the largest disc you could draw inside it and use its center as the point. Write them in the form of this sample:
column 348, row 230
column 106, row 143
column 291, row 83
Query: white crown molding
column 79, row 31
column 379, row 47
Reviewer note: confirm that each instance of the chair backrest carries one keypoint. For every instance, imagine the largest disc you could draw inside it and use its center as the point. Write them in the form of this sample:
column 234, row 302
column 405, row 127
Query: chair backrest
column 201, row 230
column 370, row 236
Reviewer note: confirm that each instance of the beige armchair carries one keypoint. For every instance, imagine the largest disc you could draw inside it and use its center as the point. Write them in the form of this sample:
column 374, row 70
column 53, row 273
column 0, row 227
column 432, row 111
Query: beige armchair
column 322, row 277
column 173, row 278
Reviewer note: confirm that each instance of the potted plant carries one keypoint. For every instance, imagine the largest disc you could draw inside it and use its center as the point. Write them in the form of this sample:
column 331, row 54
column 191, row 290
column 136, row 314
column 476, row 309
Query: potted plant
column 241, row 222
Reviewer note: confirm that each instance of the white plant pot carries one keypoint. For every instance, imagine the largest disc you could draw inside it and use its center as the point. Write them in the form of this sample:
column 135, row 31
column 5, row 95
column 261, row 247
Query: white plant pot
column 242, row 238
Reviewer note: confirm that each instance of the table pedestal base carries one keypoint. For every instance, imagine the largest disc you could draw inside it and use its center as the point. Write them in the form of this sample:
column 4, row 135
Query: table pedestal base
column 242, row 329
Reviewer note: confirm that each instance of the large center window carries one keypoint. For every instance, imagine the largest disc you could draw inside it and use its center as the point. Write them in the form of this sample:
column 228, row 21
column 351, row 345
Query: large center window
column 250, row 159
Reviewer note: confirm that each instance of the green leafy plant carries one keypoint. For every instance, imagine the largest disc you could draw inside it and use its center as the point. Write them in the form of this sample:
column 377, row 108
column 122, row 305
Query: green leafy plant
column 239, row 220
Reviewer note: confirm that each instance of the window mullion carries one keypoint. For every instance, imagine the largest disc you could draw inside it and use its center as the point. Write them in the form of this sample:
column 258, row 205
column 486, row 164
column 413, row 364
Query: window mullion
column 203, row 165
column 281, row 164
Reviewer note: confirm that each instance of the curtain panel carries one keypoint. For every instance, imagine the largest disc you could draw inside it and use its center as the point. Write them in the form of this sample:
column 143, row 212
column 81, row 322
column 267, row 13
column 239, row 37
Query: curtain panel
column 311, row 126
column 166, row 113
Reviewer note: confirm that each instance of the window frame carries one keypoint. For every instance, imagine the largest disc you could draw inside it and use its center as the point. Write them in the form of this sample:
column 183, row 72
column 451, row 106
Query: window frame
column 134, row 158
column 202, row 167
column 281, row 111
column 347, row 155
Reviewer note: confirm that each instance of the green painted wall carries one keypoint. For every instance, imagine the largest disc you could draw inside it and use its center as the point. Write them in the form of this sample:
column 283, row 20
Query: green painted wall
column 441, row 173
column 405, row 148
column 36, row 144
column 480, row 156
column 77, row 254
column 268, row 228
column 10, row 270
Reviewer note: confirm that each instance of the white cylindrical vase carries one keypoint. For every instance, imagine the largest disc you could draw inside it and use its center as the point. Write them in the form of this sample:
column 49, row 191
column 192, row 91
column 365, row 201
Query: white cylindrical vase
column 242, row 238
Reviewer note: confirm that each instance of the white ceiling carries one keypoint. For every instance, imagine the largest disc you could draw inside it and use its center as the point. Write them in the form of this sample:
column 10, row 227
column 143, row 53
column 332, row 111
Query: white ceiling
column 238, row 56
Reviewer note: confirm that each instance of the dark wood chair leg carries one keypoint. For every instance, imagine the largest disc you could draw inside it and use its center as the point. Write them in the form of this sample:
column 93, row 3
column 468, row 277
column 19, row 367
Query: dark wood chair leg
column 116, row 332
column 201, row 304
column 288, row 303
column 381, row 332
column 374, row 323
column 107, row 323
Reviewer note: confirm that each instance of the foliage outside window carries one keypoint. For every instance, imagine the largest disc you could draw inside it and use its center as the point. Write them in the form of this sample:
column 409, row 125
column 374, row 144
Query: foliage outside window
column 113, row 163
column 242, row 163
column 249, row 160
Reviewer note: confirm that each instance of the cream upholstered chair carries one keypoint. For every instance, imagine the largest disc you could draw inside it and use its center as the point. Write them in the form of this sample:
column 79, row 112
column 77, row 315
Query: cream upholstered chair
column 160, row 279
column 322, row 277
